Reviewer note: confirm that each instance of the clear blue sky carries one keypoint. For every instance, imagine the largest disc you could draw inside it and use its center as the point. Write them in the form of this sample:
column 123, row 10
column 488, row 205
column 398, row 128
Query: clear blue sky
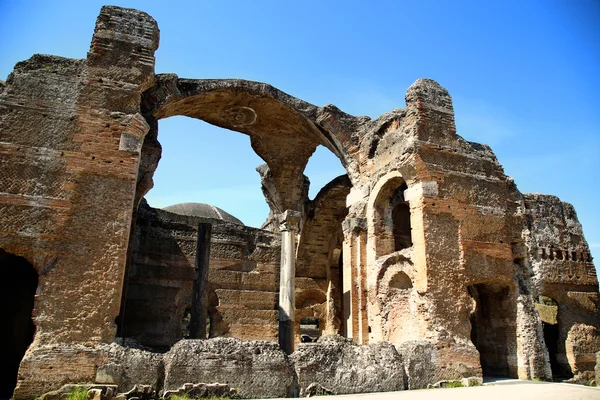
column 524, row 76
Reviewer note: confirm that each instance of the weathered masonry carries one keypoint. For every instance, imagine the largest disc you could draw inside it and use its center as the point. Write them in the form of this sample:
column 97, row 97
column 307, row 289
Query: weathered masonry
column 425, row 243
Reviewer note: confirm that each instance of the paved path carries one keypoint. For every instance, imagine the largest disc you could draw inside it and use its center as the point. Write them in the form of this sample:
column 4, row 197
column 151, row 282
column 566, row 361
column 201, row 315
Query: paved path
column 502, row 390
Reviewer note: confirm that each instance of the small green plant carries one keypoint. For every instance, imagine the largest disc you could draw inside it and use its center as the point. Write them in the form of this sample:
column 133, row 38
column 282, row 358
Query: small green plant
column 79, row 393
column 180, row 397
column 454, row 384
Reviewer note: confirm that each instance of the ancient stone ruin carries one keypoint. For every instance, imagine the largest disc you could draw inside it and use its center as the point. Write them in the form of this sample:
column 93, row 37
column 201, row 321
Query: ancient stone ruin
column 424, row 259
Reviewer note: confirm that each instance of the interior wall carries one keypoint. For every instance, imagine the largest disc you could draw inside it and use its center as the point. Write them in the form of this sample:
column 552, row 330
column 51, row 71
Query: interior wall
column 242, row 279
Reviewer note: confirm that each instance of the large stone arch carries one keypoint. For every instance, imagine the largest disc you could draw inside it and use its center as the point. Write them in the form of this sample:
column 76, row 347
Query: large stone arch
column 284, row 131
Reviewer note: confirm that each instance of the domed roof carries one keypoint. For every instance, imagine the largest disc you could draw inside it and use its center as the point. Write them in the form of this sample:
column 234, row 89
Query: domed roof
column 202, row 210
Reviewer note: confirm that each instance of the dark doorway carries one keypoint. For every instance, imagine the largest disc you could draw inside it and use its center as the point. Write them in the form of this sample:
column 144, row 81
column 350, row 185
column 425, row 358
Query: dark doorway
column 551, row 339
column 18, row 283
column 492, row 331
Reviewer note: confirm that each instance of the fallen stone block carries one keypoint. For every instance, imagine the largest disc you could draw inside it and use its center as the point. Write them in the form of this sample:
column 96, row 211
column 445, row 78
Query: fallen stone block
column 344, row 367
column 256, row 369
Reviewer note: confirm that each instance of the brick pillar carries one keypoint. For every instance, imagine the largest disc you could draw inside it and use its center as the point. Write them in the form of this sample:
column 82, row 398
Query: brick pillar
column 93, row 148
column 354, row 285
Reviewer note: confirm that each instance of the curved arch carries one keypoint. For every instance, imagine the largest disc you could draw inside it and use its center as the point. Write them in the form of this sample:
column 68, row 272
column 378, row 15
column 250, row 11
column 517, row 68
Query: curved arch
column 284, row 131
column 253, row 108
column 309, row 298
column 394, row 267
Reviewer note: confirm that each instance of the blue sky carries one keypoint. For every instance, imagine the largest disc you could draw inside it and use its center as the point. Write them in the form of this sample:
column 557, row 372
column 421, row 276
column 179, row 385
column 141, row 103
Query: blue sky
column 524, row 76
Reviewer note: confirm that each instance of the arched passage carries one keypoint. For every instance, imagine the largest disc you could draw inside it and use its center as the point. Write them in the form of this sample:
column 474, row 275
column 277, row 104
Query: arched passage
column 493, row 328
column 284, row 131
column 319, row 248
column 18, row 283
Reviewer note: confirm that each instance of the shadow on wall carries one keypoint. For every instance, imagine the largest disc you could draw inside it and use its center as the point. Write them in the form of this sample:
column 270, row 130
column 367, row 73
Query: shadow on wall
column 160, row 284
column 18, row 283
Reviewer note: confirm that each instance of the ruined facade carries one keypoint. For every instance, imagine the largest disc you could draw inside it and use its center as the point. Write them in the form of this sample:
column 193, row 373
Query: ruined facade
column 425, row 243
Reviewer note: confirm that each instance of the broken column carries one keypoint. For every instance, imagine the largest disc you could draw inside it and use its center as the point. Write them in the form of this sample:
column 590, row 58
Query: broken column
column 200, row 296
column 288, row 226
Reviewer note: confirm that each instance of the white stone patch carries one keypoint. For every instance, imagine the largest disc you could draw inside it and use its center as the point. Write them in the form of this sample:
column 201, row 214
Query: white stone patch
column 356, row 195
column 421, row 189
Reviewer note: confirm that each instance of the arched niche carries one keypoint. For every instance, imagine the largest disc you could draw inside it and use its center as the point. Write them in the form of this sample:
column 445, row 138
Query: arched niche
column 389, row 216
column 396, row 301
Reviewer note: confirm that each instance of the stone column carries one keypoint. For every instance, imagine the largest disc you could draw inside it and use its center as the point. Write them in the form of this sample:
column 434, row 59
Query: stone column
column 289, row 224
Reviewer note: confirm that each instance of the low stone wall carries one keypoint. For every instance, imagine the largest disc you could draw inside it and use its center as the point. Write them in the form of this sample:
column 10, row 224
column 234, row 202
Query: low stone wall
column 255, row 368
column 248, row 369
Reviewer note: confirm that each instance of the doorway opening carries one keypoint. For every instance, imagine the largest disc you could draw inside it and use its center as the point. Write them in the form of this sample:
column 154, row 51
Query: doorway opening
column 18, row 284
column 492, row 331
column 548, row 310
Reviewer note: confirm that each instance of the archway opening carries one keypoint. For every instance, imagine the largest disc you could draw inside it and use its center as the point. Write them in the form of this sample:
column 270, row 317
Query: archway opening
column 322, row 168
column 309, row 329
column 492, row 331
column 549, row 310
column 283, row 135
column 190, row 190
column 18, row 284
column 203, row 163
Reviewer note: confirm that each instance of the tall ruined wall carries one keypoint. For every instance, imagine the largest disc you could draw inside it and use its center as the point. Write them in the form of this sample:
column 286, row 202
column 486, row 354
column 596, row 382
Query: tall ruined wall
column 467, row 246
column 563, row 271
column 71, row 135
column 242, row 281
